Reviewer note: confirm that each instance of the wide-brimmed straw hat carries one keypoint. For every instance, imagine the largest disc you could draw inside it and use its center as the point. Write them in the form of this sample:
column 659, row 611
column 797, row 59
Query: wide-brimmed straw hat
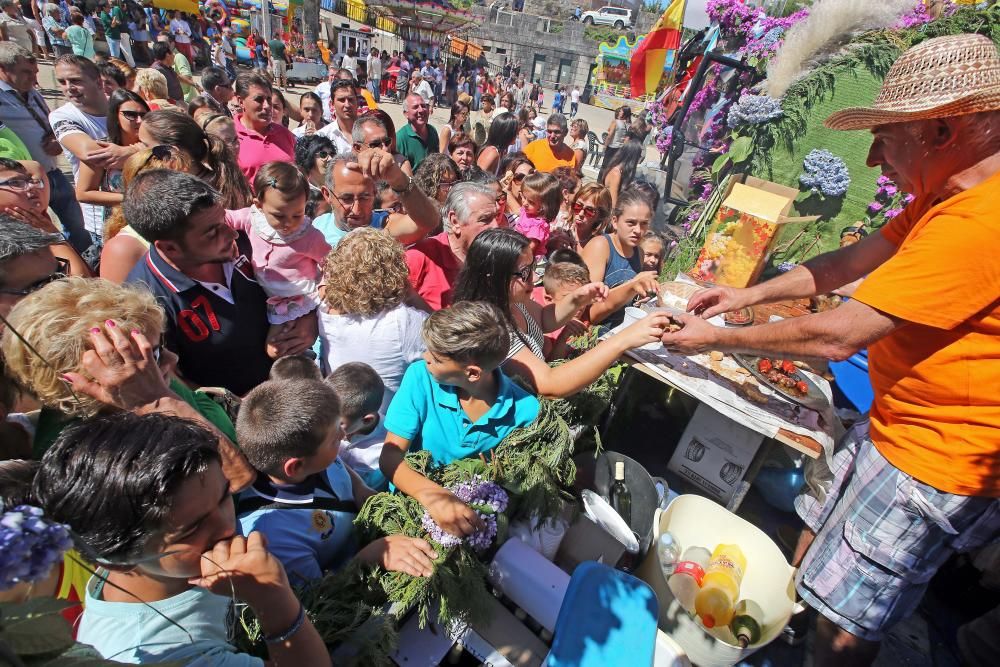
column 939, row 78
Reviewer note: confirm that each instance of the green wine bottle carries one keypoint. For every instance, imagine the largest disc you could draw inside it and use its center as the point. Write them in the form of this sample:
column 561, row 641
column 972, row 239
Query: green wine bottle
column 748, row 622
column 621, row 497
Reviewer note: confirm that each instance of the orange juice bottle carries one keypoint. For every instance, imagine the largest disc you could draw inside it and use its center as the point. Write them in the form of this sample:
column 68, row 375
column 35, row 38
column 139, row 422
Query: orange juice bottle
column 720, row 588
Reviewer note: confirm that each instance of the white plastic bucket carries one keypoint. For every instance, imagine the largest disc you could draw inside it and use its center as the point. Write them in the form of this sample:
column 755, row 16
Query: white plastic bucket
column 697, row 521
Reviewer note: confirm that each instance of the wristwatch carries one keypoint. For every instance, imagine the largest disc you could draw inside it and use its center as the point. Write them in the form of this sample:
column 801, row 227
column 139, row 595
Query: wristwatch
column 408, row 189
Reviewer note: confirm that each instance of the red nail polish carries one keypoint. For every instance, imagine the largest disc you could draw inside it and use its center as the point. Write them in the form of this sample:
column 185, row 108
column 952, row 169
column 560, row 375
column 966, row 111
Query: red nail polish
column 95, row 330
column 135, row 332
column 109, row 323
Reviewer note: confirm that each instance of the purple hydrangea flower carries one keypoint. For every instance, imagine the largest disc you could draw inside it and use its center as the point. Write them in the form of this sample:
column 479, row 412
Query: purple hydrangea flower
column 754, row 110
column 825, row 173
column 487, row 499
column 29, row 545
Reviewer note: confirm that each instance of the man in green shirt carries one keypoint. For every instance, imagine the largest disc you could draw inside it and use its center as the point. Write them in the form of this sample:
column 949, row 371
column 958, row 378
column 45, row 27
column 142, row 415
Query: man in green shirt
column 417, row 139
column 182, row 68
column 112, row 19
column 279, row 62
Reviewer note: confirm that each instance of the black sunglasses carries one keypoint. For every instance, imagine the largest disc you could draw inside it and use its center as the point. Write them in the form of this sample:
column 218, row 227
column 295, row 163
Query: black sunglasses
column 133, row 115
column 380, row 143
column 62, row 270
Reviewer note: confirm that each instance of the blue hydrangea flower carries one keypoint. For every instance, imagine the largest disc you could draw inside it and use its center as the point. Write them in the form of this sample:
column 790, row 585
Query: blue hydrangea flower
column 29, row 545
column 825, row 173
column 754, row 110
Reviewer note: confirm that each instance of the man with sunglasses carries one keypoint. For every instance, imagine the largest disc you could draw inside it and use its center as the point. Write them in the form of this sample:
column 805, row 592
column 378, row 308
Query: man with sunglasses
column 344, row 103
column 370, row 132
column 552, row 152
column 26, row 262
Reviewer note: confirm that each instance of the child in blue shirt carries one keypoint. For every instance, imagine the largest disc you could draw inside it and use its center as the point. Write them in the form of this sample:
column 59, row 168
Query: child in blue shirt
column 145, row 498
column 361, row 391
column 305, row 499
column 456, row 404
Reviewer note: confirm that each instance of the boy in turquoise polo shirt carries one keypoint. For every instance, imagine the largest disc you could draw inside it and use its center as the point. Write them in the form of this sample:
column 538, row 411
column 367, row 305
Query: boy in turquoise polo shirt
column 456, row 404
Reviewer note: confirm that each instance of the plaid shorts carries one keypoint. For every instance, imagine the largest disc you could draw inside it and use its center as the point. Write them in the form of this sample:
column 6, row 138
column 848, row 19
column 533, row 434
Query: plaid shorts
column 884, row 537
column 814, row 506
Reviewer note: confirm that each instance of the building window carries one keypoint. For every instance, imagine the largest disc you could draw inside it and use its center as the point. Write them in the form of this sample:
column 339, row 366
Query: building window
column 501, row 51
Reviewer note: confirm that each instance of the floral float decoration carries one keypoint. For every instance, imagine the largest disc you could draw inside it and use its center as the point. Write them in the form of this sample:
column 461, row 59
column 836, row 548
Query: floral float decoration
column 825, row 173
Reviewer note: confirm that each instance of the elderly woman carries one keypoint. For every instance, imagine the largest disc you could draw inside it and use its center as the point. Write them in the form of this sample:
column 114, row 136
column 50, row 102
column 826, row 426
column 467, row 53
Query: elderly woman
column 261, row 139
column 364, row 317
column 435, row 176
column 577, row 140
column 87, row 346
column 152, row 87
column 462, row 150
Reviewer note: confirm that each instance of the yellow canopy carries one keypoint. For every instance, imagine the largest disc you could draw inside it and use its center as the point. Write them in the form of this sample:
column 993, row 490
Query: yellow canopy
column 189, row 6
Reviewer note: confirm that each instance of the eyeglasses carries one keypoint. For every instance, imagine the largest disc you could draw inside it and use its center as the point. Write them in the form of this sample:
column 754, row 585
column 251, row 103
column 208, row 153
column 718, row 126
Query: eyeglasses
column 520, row 177
column 21, row 184
column 324, row 155
column 502, row 197
column 62, row 270
column 133, row 115
column 525, row 273
column 588, row 211
column 348, row 201
column 447, row 184
column 384, row 142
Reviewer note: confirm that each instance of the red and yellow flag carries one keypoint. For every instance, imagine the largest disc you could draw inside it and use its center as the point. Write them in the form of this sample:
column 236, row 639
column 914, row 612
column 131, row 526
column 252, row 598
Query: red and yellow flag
column 648, row 59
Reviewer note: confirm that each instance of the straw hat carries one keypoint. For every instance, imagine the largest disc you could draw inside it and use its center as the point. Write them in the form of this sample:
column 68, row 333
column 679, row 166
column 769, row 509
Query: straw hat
column 938, row 78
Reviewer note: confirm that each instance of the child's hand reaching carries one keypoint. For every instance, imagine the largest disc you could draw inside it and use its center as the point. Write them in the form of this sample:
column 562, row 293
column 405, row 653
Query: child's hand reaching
column 399, row 553
column 449, row 512
column 588, row 294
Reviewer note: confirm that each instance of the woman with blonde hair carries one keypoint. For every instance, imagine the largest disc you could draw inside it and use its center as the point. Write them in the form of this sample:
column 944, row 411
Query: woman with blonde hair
column 364, row 316
column 123, row 247
column 152, row 87
column 214, row 161
column 86, row 346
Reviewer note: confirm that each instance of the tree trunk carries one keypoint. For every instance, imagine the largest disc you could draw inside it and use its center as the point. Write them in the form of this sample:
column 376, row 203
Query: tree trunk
column 310, row 27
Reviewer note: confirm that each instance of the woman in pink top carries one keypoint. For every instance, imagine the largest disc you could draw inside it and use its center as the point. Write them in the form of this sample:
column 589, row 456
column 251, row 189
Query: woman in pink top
column 261, row 140
column 288, row 252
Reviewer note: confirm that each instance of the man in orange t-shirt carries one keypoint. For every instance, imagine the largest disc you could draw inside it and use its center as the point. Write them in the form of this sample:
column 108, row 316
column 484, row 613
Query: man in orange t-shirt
column 923, row 480
column 551, row 153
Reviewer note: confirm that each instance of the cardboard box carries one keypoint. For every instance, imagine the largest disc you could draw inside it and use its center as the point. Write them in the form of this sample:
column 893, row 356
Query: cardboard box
column 714, row 453
column 740, row 240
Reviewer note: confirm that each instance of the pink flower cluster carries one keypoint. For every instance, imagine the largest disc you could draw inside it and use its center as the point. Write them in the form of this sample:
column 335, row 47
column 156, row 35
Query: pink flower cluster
column 919, row 15
column 889, row 200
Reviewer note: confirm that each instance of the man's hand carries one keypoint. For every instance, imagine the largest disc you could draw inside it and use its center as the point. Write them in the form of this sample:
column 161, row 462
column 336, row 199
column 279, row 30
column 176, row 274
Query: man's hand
column 717, row 300
column 380, row 165
column 399, row 553
column 124, row 373
column 449, row 512
column 51, row 145
column 110, row 156
column 696, row 336
column 246, row 565
column 294, row 337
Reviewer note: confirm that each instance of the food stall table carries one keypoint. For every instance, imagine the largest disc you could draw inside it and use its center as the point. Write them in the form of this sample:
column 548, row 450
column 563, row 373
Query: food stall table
column 731, row 391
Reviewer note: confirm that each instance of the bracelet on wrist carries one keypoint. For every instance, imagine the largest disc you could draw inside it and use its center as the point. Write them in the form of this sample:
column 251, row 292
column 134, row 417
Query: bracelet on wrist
column 408, row 189
column 296, row 625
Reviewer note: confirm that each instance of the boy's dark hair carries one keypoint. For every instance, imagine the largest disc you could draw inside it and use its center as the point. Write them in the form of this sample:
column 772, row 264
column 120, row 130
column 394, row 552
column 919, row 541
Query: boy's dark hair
column 160, row 51
column 159, row 203
column 566, row 255
column 112, row 479
column 212, row 77
column 284, row 419
column 359, row 387
column 559, row 274
column 381, row 187
column 294, row 367
column 113, row 73
column 470, row 332
column 16, row 478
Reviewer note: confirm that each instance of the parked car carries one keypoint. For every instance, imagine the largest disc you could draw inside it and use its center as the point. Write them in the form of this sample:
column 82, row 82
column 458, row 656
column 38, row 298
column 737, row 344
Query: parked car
column 617, row 17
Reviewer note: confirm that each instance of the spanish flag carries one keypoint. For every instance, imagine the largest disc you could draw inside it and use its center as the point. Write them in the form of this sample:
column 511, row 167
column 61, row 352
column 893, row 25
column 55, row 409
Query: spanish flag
column 648, row 59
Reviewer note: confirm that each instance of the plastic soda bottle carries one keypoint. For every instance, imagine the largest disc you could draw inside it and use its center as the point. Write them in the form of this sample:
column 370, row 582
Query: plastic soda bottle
column 748, row 622
column 686, row 580
column 720, row 588
column 668, row 552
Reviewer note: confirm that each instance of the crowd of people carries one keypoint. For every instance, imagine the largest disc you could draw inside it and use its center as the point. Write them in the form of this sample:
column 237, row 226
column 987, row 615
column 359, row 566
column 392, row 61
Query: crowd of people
column 243, row 328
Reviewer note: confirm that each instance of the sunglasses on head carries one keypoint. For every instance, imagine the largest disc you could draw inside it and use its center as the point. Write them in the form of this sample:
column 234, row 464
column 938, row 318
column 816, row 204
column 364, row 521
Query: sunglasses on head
column 588, row 211
column 133, row 115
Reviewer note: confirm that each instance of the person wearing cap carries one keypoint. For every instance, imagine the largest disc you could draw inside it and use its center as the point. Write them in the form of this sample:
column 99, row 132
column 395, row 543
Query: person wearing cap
column 920, row 480
column 552, row 152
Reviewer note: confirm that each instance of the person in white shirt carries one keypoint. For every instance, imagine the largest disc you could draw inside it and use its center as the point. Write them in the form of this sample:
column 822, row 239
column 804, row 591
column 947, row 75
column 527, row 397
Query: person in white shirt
column 350, row 62
column 181, row 30
column 323, row 90
column 344, row 103
column 420, row 86
column 375, row 74
column 574, row 101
